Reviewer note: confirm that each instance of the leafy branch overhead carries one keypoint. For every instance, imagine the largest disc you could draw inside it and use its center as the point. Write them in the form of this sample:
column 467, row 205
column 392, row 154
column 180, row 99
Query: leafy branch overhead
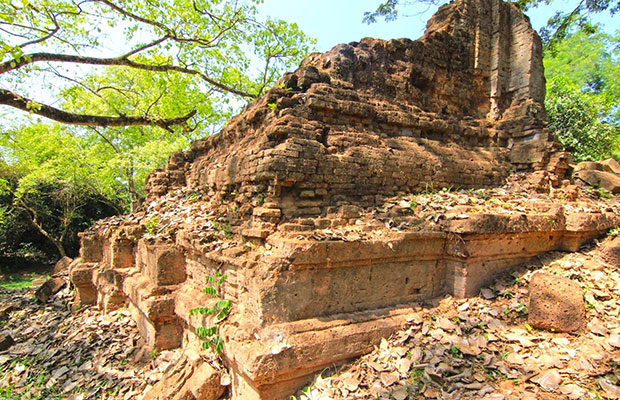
column 221, row 45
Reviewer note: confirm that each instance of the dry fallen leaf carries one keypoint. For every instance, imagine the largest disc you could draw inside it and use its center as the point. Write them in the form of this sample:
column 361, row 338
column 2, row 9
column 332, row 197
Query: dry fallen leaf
column 573, row 391
column 400, row 394
column 389, row 378
column 614, row 340
column 549, row 380
column 611, row 391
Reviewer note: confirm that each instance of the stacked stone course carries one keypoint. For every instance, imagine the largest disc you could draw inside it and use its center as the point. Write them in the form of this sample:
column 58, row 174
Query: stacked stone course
column 293, row 201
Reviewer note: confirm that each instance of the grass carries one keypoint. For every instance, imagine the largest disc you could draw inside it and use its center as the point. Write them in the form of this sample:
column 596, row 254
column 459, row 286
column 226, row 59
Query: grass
column 19, row 281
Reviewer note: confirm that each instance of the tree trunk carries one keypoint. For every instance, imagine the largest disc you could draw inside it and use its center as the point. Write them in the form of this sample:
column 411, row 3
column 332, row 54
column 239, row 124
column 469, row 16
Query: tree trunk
column 57, row 243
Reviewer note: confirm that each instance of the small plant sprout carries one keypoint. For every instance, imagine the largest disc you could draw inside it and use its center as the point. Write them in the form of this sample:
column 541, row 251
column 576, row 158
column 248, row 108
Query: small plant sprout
column 151, row 225
column 220, row 311
column 456, row 352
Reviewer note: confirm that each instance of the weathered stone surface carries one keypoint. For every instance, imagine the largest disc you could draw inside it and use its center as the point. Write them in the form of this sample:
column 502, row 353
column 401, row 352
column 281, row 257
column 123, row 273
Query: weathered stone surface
column 610, row 252
column 6, row 341
column 81, row 275
column 378, row 118
column 556, row 303
column 606, row 180
column 188, row 379
column 62, row 266
column 611, row 165
column 91, row 247
column 49, row 288
column 320, row 202
column 163, row 263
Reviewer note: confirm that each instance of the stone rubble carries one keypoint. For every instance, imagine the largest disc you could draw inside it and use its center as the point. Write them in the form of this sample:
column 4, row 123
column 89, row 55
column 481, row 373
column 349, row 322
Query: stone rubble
column 365, row 182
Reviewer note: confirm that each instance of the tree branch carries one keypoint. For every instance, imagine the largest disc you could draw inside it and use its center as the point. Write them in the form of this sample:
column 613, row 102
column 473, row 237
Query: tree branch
column 35, row 223
column 46, row 37
column 26, row 59
column 14, row 100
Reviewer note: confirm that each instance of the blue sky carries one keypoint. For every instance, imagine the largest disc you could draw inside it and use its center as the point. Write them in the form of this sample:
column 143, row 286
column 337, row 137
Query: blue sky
column 340, row 21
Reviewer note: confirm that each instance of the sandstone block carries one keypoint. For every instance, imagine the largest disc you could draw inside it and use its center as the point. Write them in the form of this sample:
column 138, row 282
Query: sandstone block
column 556, row 303
column 350, row 212
column 588, row 165
column 610, row 252
column 256, row 233
column 188, row 379
column 81, row 275
column 164, row 263
column 611, row 165
column 263, row 212
column 91, row 247
column 606, row 180
column 49, row 288
column 122, row 253
column 62, row 265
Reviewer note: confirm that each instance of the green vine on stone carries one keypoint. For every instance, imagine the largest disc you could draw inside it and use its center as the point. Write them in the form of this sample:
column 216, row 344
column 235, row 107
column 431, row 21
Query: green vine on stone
column 151, row 225
column 221, row 309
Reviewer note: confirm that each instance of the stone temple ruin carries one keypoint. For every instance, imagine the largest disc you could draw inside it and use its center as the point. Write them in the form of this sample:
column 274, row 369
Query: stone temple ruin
column 298, row 201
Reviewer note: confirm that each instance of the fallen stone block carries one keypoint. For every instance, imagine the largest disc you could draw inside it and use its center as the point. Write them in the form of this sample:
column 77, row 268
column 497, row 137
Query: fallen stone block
column 556, row 303
column 62, row 266
column 600, row 179
column 589, row 165
column 611, row 165
column 6, row 341
column 49, row 288
column 610, row 252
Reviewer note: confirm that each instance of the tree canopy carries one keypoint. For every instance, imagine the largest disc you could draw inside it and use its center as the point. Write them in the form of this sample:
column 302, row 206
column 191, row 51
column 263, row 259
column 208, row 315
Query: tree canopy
column 128, row 82
column 583, row 93
column 218, row 43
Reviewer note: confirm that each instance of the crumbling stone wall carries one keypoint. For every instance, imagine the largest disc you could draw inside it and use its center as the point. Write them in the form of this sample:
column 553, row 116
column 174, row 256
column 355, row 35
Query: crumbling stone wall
column 460, row 107
column 298, row 201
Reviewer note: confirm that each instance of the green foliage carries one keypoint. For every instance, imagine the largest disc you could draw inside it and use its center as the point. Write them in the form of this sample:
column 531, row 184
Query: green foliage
column 173, row 60
column 50, row 189
column 220, row 311
column 456, row 352
column 222, row 46
column 388, row 10
column 223, row 227
column 561, row 24
column 151, row 225
column 583, row 94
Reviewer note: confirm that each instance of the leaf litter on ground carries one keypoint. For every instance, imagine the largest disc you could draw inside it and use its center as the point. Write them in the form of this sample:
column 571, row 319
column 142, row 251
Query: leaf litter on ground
column 483, row 348
column 65, row 354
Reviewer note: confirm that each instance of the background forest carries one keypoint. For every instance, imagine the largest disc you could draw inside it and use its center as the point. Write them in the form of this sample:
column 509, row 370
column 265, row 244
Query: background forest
column 119, row 85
